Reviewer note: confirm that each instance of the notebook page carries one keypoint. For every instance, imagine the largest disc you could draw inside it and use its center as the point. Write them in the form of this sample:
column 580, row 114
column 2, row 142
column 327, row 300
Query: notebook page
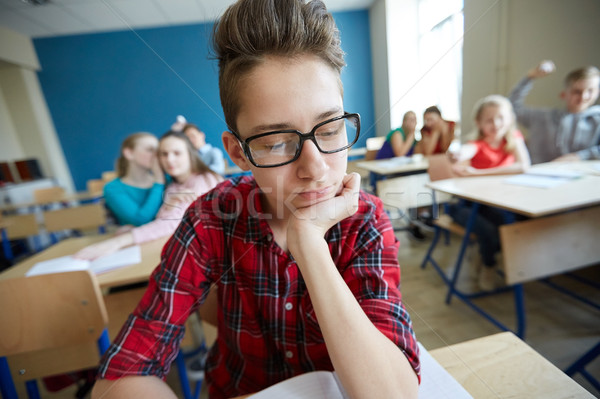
column 125, row 257
column 436, row 382
column 536, row 181
column 58, row 265
column 316, row 384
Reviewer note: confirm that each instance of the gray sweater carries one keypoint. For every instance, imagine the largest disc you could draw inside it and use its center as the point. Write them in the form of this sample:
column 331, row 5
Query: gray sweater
column 556, row 132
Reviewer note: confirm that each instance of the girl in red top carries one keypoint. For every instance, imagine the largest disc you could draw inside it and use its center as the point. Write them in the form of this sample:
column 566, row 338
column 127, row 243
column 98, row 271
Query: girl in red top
column 499, row 149
column 436, row 134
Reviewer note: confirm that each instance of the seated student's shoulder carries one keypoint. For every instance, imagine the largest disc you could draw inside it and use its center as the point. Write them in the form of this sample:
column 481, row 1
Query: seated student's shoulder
column 227, row 196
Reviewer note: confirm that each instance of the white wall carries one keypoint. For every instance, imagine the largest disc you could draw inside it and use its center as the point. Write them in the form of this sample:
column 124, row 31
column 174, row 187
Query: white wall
column 503, row 39
column 11, row 147
column 379, row 55
column 26, row 127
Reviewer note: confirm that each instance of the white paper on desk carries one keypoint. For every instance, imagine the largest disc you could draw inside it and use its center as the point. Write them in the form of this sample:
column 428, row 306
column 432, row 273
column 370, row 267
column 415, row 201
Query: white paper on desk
column 394, row 162
column 560, row 173
column 536, row 181
column 315, row 384
column 436, row 382
column 124, row 257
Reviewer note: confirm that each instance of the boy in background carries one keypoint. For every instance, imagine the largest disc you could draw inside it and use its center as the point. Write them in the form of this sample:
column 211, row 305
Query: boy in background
column 568, row 134
column 304, row 264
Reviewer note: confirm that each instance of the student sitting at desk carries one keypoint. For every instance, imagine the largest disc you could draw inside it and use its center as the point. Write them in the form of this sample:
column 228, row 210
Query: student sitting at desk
column 135, row 196
column 400, row 142
column 191, row 178
column 436, row 133
column 304, row 264
column 499, row 149
column 569, row 134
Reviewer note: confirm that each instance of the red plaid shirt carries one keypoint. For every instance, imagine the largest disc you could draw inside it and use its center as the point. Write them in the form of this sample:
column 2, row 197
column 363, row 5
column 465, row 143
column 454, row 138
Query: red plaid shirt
column 268, row 330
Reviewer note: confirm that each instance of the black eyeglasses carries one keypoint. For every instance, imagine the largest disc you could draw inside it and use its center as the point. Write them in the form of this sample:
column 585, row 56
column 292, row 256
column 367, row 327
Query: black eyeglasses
column 271, row 149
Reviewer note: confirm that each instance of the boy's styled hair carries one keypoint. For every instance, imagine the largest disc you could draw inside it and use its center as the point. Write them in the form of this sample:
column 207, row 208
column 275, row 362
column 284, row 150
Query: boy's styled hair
column 251, row 30
column 198, row 167
column 122, row 164
column 499, row 101
column 587, row 72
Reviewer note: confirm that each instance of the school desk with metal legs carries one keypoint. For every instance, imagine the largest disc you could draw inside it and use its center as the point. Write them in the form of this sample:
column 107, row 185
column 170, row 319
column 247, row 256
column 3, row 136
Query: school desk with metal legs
column 562, row 217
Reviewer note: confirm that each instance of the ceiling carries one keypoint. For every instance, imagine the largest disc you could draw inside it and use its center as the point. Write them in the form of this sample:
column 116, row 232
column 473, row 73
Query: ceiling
column 67, row 17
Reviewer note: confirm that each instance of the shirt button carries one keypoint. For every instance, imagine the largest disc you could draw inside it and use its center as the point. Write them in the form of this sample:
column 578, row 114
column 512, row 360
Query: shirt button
column 269, row 237
column 289, row 306
column 289, row 354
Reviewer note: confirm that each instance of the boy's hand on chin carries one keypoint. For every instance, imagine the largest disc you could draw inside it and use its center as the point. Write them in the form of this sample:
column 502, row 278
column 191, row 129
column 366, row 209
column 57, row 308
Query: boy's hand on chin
column 316, row 219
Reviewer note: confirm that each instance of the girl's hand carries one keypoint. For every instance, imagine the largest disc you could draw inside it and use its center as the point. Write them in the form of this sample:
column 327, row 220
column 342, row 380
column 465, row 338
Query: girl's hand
column 464, row 170
column 315, row 220
column 105, row 247
column 544, row 68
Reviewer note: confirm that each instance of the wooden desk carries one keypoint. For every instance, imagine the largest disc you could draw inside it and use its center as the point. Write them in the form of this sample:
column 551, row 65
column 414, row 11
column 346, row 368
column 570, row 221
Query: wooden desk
column 67, row 198
column 527, row 201
column 125, row 275
column 395, row 166
column 560, row 237
column 503, row 366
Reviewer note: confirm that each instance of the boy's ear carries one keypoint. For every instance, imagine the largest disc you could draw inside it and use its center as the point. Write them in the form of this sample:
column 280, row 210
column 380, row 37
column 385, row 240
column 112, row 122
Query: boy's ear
column 234, row 149
column 563, row 94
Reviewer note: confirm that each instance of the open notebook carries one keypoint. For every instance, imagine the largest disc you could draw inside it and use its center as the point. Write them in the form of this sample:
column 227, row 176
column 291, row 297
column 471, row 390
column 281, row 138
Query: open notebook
column 436, row 383
column 122, row 258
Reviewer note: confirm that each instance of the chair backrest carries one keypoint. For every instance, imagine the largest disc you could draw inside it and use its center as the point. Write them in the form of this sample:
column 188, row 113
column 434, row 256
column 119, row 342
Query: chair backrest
column 109, row 175
column 51, row 323
column 49, row 194
column 95, row 186
column 77, row 217
column 20, row 226
column 440, row 167
column 373, row 146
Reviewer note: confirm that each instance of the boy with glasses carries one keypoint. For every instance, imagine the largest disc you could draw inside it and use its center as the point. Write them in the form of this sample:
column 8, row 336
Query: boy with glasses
column 304, row 264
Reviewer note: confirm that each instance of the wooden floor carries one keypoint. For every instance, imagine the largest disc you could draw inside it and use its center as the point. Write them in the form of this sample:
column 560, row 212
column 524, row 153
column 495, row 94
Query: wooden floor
column 558, row 327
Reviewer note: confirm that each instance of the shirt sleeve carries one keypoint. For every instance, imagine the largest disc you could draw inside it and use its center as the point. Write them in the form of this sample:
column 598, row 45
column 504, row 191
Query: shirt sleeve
column 127, row 210
column 217, row 163
column 149, row 341
column 527, row 116
column 374, row 278
column 171, row 212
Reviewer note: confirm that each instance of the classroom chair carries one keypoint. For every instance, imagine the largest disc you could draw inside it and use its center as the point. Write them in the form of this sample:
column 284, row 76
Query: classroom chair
column 50, row 324
column 16, row 227
column 109, row 175
column 96, row 186
column 50, row 194
column 76, row 218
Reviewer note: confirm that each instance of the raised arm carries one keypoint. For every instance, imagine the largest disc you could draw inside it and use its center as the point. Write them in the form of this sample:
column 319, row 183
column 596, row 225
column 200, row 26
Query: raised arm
column 374, row 366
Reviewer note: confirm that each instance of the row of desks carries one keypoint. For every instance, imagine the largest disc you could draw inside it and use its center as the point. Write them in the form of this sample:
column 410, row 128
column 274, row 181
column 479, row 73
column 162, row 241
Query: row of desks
column 500, row 365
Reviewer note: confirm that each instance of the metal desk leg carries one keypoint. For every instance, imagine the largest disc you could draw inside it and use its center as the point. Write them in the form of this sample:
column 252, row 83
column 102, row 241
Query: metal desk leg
column 461, row 253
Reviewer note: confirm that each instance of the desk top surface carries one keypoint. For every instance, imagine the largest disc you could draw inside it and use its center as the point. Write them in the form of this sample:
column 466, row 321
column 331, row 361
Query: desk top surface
column 529, row 201
column 125, row 275
column 80, row 196
column 503, row 366
column 394, row 166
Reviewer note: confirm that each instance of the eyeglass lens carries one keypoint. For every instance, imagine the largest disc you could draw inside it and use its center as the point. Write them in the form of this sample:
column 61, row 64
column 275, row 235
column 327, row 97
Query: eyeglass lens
column 282, row 147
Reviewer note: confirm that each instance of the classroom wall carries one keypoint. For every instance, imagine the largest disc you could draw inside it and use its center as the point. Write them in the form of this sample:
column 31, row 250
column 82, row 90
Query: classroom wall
column 379, row 56
column 102, row 87
column 11, row 147
column 26, row 128
column 504, row 39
